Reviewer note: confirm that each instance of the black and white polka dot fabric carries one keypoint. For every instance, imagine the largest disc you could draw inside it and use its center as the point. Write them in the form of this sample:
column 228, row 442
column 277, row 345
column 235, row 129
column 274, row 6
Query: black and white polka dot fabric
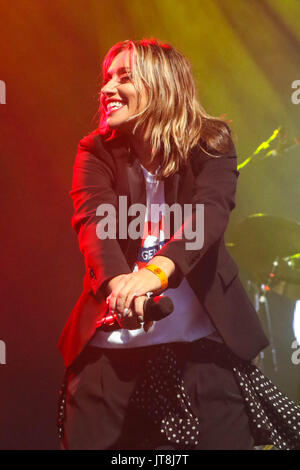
column 273, row 417
column 161, row 394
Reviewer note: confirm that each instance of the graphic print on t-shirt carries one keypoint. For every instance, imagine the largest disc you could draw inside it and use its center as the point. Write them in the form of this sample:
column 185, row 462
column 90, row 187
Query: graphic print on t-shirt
column 152, row 241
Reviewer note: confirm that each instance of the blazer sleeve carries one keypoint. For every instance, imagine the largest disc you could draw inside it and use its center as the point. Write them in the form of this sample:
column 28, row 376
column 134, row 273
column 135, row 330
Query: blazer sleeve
column 215, row 181
column 92, row 185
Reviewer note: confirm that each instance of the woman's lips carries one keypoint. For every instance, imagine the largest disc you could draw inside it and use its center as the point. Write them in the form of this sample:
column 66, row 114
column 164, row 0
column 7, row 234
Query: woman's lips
column 110, row 111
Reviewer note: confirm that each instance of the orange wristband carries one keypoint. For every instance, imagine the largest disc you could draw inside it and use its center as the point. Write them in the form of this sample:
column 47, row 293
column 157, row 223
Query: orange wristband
column 159, row 273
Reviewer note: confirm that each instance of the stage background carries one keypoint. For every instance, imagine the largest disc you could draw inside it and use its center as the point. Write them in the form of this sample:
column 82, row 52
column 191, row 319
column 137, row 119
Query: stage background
column 245, row 57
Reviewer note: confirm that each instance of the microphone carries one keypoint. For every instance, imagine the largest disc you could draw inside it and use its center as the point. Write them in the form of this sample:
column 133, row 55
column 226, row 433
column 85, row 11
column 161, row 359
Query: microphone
column 155, row 308
column 158, row 307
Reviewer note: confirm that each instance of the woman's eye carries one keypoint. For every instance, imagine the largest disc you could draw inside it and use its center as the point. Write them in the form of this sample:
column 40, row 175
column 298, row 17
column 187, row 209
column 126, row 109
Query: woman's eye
column 124, row 78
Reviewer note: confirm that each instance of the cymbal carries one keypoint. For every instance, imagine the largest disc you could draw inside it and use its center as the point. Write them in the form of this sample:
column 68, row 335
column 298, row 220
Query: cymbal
column 261, row 239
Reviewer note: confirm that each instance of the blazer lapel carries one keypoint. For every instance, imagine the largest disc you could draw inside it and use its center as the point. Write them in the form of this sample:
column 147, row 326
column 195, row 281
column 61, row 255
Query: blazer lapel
column 136, row 183
column 130, row 179
column 137, row 193
column 130, row 183
column 171, row 189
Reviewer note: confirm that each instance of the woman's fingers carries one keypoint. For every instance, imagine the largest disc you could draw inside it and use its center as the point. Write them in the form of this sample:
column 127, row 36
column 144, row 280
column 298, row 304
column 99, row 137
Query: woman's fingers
column 138, row 284
column 135, row 317
column 124, row 293
column 139, row 307
column 113, row 297
column 128, row 297
column 130, row 286
column 129, row 323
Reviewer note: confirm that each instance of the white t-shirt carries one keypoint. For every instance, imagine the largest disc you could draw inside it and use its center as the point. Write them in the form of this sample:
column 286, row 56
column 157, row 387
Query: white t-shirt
column 189, row 320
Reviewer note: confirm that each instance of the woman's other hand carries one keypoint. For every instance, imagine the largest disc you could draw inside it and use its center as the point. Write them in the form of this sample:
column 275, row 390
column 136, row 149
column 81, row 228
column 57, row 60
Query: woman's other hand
column 125, row 291
column 134, row 317
column 128, row 286
column 127, row 297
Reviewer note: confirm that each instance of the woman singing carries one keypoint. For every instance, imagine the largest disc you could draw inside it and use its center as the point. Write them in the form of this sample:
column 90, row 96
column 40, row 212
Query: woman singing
column 153, row 188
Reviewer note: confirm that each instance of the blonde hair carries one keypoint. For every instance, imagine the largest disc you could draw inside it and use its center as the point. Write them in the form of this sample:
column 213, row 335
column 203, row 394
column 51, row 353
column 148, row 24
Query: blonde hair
column 174, row 116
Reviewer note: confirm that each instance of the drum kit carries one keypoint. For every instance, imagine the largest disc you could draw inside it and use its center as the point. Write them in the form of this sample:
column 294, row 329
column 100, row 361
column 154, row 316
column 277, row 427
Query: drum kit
column 267, row 248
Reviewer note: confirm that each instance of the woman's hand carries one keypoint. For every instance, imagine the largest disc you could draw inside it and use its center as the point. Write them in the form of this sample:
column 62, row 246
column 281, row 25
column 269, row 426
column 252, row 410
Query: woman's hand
column 129, row 286
column 127, row 292
column 135, row 315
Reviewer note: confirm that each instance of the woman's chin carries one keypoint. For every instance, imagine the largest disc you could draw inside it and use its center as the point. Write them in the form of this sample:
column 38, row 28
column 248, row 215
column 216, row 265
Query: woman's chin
column 121, row 126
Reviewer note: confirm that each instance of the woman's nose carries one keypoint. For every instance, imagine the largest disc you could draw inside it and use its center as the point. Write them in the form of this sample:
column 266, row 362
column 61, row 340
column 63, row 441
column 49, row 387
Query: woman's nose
column 109, row 87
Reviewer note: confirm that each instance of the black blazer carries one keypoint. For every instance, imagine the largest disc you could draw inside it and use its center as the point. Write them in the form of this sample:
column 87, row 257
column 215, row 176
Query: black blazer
column 105, row 170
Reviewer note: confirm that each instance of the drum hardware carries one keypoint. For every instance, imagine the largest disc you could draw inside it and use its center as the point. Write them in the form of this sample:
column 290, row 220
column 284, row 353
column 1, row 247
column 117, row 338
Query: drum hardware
column 261, row 242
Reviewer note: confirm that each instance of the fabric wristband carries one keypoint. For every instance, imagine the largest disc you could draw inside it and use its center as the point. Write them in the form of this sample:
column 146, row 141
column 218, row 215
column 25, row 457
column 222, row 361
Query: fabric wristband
column 159, row 273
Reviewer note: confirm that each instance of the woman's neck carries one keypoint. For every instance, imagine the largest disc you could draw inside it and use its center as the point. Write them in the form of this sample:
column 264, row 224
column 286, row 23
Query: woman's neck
column 142, row 148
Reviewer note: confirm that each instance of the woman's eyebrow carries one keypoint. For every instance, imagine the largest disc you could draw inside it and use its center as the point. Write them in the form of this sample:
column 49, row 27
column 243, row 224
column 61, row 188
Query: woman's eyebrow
column 119, row 70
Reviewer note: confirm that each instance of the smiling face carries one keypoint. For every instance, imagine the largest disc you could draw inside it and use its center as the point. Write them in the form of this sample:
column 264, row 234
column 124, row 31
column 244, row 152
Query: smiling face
column 119, row 99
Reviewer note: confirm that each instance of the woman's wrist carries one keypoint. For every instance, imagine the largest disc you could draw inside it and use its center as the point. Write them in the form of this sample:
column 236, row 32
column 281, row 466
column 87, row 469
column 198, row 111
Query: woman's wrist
column 164, row 263
column 159, row 273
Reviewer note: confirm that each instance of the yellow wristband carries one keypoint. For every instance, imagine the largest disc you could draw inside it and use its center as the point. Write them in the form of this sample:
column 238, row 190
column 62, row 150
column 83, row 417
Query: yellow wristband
column 159, row 273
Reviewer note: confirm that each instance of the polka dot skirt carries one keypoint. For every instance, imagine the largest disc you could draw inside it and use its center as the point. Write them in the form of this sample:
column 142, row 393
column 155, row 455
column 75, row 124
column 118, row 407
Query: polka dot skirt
column 161, row 394
column 274, row 419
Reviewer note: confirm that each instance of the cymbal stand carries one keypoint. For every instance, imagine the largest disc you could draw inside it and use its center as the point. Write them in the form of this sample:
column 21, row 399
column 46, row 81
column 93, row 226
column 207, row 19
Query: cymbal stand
column 263, row 305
